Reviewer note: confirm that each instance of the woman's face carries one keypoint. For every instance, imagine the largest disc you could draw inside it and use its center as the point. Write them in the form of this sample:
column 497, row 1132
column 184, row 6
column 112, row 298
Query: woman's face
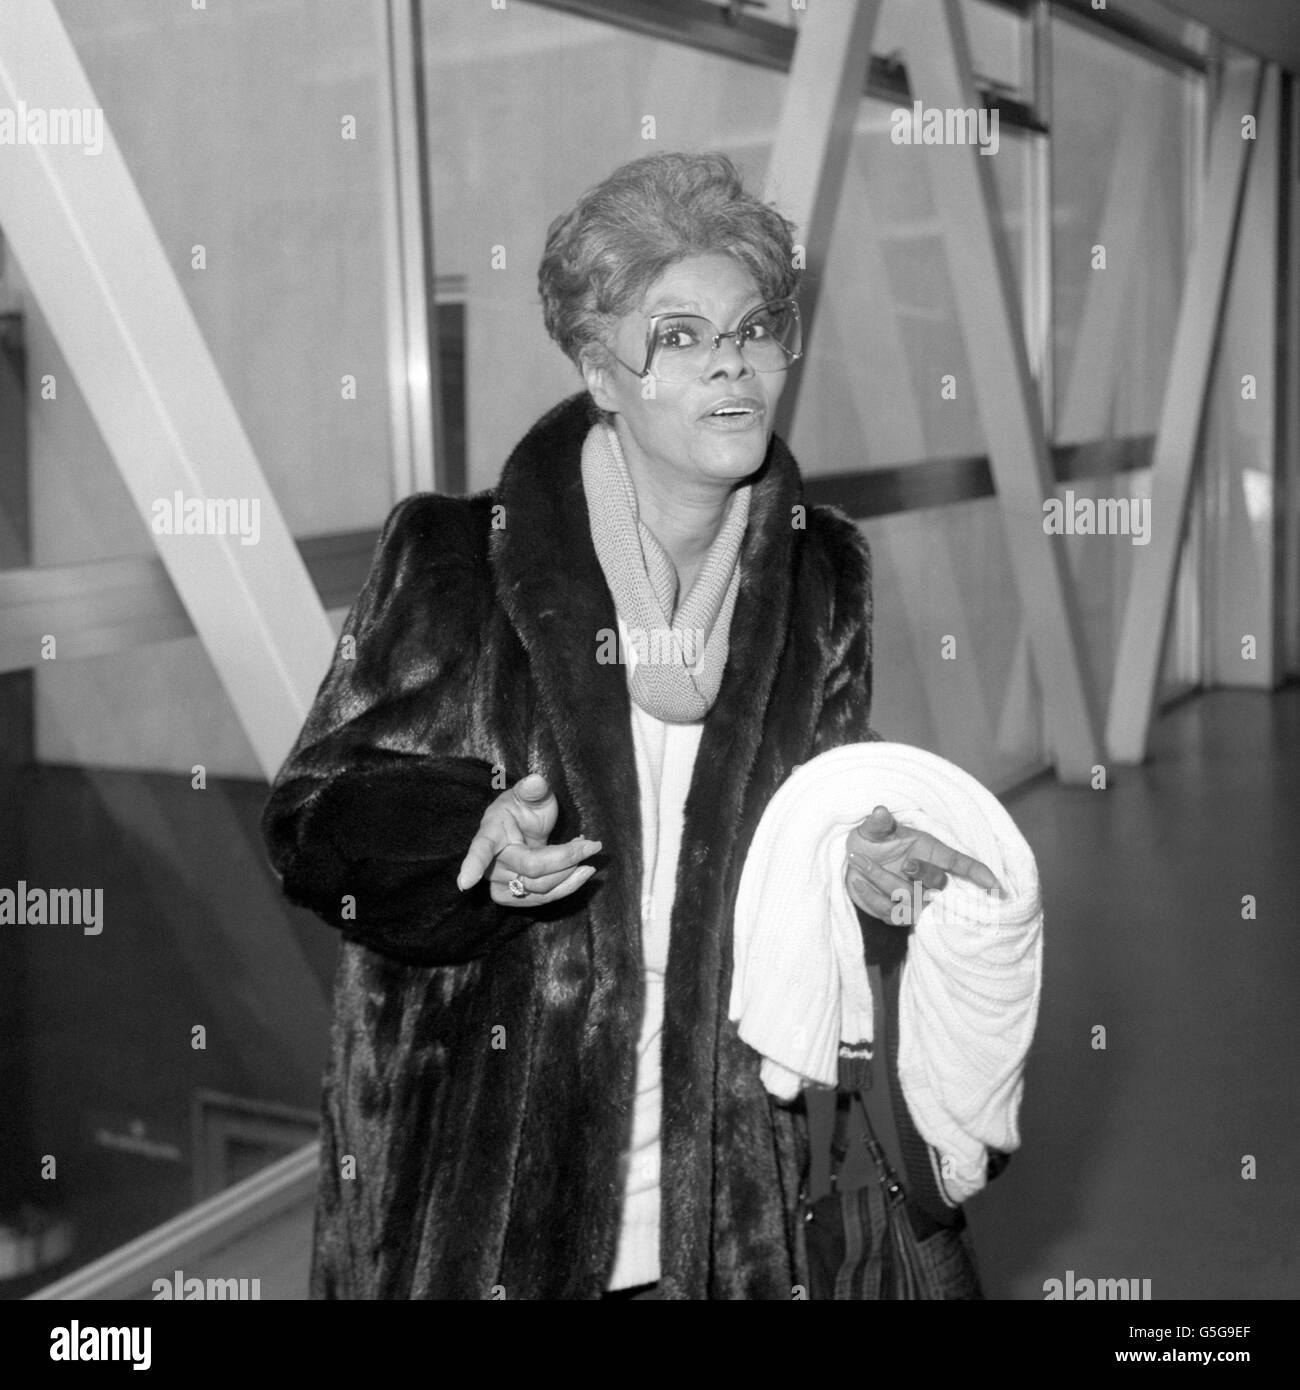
column 674, row 433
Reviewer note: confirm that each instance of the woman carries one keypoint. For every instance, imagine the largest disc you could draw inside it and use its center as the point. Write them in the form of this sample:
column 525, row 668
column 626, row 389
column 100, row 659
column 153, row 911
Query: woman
column 525, row 801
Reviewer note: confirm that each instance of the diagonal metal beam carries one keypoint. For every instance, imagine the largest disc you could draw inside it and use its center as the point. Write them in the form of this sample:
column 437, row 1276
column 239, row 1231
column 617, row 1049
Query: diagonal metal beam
column 813, row 135
column 966, row 198
column 1155, row 568
column 91, row 256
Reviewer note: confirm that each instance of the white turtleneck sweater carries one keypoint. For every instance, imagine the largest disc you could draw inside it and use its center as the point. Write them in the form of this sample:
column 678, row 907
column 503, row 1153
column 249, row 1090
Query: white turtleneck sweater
column 665, row 762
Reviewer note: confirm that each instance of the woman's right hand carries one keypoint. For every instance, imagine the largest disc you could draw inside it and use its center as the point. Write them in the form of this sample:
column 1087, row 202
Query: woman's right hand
column 511, row 843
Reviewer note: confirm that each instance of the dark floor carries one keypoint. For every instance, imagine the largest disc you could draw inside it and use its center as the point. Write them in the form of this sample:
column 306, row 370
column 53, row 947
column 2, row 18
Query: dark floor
column 1132, row 1158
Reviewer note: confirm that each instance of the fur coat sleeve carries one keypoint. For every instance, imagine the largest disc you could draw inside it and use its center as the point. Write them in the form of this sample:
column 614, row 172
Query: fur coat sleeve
column 371, row 816
column 479, row 1092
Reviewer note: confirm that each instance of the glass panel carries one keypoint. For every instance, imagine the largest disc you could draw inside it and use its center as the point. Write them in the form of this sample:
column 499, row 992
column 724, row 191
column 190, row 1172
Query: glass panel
column 292, row 297
column 1123, row 182
column 999, row 47
column 886, row 334
column 998, row 42
column 1243, row 434
column 175, row 1042
column 951, row 666
column 1120, row 177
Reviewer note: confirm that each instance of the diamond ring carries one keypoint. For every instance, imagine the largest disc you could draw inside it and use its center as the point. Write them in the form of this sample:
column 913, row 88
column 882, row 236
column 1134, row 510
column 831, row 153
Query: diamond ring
column 516, row 886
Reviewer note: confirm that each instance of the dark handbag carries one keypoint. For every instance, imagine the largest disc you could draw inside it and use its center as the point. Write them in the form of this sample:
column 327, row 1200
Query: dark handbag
column 874, row 1242
column 863, row 1244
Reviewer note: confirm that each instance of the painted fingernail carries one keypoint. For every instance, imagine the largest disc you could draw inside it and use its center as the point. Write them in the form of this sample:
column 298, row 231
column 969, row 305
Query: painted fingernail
column 911, row 867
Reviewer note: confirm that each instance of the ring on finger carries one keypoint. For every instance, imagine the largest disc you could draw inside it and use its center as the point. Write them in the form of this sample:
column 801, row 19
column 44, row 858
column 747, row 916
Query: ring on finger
column 516, row 886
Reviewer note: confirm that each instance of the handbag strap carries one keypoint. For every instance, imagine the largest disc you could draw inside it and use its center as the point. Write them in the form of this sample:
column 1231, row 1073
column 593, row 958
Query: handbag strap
column 881, row 1137
column 901, row 1155
column 888, row 1178
column 840, row 1136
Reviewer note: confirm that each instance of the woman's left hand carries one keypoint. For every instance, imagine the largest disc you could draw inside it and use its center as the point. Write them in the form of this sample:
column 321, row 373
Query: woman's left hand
column 884, row 858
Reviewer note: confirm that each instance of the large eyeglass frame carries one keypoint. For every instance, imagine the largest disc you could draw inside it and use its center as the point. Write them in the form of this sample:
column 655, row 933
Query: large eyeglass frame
column 656, row 319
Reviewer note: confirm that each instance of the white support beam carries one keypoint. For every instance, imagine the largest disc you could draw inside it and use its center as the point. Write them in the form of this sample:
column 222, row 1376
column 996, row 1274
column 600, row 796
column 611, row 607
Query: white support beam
column 102, row 606
column 814, row 132
column 90, row 255
column 1146, row 618
column 92, row 609
column 966, row 198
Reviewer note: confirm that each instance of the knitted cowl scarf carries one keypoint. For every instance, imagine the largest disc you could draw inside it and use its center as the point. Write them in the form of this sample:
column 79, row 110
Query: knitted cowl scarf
column 676, row 660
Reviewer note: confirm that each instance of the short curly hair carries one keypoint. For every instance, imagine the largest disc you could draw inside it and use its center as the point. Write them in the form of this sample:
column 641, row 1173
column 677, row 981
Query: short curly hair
column 621, row 235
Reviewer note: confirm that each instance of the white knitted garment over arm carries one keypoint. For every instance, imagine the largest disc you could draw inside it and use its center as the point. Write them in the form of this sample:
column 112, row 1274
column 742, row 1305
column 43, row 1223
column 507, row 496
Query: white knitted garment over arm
column 968, row 998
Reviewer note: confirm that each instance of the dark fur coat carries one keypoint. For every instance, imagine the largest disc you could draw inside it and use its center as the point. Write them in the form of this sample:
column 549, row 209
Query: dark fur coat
column 482, row 1060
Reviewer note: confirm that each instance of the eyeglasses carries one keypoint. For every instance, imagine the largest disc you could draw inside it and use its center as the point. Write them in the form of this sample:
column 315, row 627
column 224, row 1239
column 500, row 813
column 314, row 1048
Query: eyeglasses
column 681, row 347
